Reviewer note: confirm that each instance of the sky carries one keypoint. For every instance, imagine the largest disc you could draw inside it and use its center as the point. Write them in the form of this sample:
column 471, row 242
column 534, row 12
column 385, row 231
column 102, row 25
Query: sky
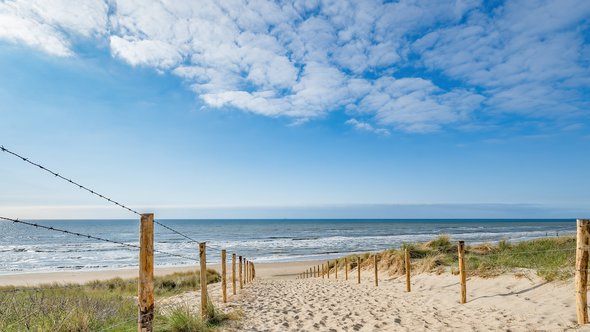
column 296, row 109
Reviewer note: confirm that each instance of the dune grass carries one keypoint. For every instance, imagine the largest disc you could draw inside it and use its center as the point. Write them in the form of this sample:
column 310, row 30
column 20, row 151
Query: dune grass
column 98, row 305
column 550, row 258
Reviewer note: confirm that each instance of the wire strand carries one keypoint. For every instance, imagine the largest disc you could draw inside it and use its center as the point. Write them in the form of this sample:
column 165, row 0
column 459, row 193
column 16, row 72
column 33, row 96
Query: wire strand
column 93, row 192
column 50, row 228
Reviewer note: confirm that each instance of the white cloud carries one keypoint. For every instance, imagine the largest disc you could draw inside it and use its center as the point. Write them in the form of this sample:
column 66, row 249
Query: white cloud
column 51, row 24
column 304, row 59
column 365, row 126
column 154, row 53
column 528, row 56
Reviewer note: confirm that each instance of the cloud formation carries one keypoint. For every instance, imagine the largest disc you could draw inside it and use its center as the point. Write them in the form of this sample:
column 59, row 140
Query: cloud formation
column 413, row 66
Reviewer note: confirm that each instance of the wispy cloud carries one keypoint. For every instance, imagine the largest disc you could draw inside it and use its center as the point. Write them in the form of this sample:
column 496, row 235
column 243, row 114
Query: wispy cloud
column 302, row 60
column 364, row 126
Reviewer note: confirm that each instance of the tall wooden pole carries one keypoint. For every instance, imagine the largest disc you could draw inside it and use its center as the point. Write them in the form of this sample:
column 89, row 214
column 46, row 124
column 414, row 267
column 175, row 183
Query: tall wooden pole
column 358, row 269
column 203, row 262
column 223, row 276
column 582, row 243
column 328, row 268
column 233, row 273
column 145, row 286
column 376, row 270
column 408, row 268
column 463, row 276
column 345, row 268
column 240, row 273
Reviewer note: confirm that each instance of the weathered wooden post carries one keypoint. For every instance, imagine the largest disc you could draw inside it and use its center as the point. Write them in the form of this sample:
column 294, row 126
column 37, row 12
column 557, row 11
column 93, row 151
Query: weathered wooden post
column 336, row 269
column 245, row 271
column 203, row 262
column 323, row 271
column 376, row 271
column 358, row 269
column 408, row 267
column 145, row 287
column 345, row 268
column 223, row 276
column 240, row 273
column 461, row 250
column 582, row 243
column 328, row 268
column 319, row 272
column 233, row 273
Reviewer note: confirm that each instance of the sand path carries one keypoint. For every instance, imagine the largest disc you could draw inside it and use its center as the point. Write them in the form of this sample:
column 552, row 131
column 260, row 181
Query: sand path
column 504, row 303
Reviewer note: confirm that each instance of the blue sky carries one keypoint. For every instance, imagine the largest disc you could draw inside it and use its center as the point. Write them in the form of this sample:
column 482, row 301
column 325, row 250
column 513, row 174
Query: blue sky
column 304, row 109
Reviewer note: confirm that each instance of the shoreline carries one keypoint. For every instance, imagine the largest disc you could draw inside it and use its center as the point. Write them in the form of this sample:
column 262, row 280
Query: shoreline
column 284, row 270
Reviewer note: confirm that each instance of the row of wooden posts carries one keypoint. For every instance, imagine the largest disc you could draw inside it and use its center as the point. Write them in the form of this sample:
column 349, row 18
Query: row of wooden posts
column 581, row 270
column 323, row 270
column 245, row 274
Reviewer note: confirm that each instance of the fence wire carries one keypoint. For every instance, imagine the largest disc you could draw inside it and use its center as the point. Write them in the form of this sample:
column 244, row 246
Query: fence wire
column 95, row 193
column 88, row 236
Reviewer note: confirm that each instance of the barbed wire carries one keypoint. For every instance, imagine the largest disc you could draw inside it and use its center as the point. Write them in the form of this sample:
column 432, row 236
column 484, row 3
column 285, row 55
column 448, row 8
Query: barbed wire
column 93, row 192
column 3, row 149
column 50, row 228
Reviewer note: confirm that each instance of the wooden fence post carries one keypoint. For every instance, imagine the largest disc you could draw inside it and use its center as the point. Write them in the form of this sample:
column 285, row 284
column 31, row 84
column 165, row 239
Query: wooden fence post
column 376, row 271
column 203, row 261
column 336, row 269
column 345, row 268
column 461, row 250
column 358, row 269
column 582, row 243
column 223, row 276
column 328, row 268
column 408, row 269
column 240, row 272
column 233, row 273
column 319, row 272
column 246, row 272
column 145, row 288
column 253, row 271
column 323, row 271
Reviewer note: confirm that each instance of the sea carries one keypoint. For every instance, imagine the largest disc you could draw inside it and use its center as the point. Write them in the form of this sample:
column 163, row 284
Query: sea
column 25, row 249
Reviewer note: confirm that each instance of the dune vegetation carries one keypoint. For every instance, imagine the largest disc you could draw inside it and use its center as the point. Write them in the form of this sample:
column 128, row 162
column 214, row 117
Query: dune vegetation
column 551, row 258
column 108, row 305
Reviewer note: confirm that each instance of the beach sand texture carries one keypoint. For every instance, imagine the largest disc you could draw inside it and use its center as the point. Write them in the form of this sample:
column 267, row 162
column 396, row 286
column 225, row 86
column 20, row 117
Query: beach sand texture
column 277, row 301
column 504, row 303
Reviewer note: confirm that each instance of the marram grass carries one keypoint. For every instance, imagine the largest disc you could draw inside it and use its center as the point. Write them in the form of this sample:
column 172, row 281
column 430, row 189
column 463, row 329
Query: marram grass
column 108, row 305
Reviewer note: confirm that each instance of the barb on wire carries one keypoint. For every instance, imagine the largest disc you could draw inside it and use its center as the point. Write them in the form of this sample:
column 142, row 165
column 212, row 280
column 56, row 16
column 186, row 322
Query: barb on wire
column 50, row 228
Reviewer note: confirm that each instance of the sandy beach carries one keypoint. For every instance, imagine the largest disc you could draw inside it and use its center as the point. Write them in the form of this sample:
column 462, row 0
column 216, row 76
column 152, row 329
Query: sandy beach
column 277, row 301
column 505, row 303
column 263, row 270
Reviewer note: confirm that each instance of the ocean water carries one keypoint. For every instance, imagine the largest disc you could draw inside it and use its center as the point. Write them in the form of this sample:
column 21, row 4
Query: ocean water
column 28, row 249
